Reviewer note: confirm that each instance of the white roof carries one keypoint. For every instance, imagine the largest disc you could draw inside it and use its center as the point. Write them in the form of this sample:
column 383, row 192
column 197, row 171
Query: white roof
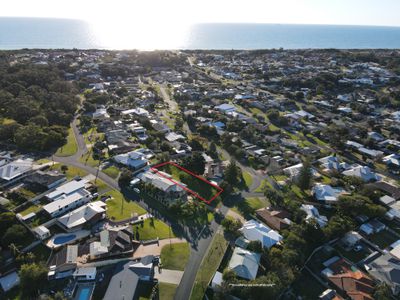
column 324, row 192
column 66, row 189
column 159, row 181
column 91, row 271
column 256, row 231
column 364, row 172
column 15, row 168
column 313, row 213
column 244, row 263
column 172, row 137
column 65, row 200
column 330, row 162
column 41, row 230
column 82, row 214
column 133, row 159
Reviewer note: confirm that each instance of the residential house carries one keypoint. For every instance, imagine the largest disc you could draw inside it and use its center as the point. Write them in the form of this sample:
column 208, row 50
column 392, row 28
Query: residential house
column 67, row 197
column 363, row 172
column 112, row 241
column 126, row 279
column 373, row 226
column 14, row 170
column 41, row 180
column 386, row 269
column 212, row 169
column 86, row 214
column 135, row 160
column 331, row 162
column 276, row 219
column 313, row 214
column 244, row 263
column 349, row 280
column 166, row 190
column 85, row 274
column 326, row 193
column 256, row 231
column 225, row 108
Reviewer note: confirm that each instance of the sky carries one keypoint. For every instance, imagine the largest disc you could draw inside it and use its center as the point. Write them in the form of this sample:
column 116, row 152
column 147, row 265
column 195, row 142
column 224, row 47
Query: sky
column 182, row 12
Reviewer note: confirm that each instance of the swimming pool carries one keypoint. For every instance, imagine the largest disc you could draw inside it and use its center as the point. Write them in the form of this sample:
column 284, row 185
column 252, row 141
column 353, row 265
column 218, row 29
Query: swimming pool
column 85, row 293
column 64, row 239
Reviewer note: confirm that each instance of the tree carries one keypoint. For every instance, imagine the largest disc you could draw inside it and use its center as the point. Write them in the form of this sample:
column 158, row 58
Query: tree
column 382, row 292
column 231, row 226
column 305, row 176
column 232, row 174
column 6, row 220
column 194, row 163
column 273, row 197
column 212, row 150
column 354, row 205
column 15, row 234
column 32, row 277
column 125, row 178
column 255, row 246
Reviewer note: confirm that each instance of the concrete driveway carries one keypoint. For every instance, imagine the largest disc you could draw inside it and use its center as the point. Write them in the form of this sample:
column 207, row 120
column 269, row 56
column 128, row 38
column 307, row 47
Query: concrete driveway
column 155, row 249
column 168, row 276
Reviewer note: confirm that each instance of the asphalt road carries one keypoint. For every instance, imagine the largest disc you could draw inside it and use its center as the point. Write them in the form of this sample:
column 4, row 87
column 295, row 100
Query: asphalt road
column 200, row 241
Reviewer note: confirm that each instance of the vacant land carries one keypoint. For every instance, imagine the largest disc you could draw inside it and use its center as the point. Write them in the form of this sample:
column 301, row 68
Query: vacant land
column 175, row 256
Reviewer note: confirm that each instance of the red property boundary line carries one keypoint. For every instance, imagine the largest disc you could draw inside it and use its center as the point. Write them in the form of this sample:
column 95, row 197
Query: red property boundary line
column 155, row 169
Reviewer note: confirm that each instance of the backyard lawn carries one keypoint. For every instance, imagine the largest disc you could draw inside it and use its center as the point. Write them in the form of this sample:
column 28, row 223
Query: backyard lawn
column 209, row 266
column 167, row 290
column 119, row 208
column 32, row 208
column 70, row 147
column 152, row 229
column 175, row 256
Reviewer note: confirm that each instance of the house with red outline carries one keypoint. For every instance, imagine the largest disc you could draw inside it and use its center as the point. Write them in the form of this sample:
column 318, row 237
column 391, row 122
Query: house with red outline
column 160, row 187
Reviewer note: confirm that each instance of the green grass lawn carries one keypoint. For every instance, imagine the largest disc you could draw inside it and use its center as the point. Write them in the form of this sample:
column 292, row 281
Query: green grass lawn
column 248, row 179
column 249, row 206
column 88, row 159
column 264, row 184
column 32, row 208
column 111, row 171
column 175, row 256
column 151, row 230
column 119, row 208
column 71, row 171
column 209, row 266
column 70, row 147
column 167, row 290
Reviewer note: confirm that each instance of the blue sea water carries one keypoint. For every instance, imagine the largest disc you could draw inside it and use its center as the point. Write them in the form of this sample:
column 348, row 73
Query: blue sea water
column 17, row 33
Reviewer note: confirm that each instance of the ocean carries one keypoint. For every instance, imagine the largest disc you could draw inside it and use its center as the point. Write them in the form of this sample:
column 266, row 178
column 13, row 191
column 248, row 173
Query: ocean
column 18, row 33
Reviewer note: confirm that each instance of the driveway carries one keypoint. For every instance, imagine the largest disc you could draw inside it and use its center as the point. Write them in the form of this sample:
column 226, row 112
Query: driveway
column 168, row 276
column 155, row 249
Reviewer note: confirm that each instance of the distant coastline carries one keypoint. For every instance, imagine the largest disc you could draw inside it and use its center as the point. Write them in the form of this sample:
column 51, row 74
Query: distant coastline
column 46, row 33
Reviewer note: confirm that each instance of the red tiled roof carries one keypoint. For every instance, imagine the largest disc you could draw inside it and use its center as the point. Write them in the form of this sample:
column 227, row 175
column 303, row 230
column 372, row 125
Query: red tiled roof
column 274, row 218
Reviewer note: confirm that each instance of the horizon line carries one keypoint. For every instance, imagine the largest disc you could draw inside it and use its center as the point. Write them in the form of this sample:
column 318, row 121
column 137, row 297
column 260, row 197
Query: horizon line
column 216, row 22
